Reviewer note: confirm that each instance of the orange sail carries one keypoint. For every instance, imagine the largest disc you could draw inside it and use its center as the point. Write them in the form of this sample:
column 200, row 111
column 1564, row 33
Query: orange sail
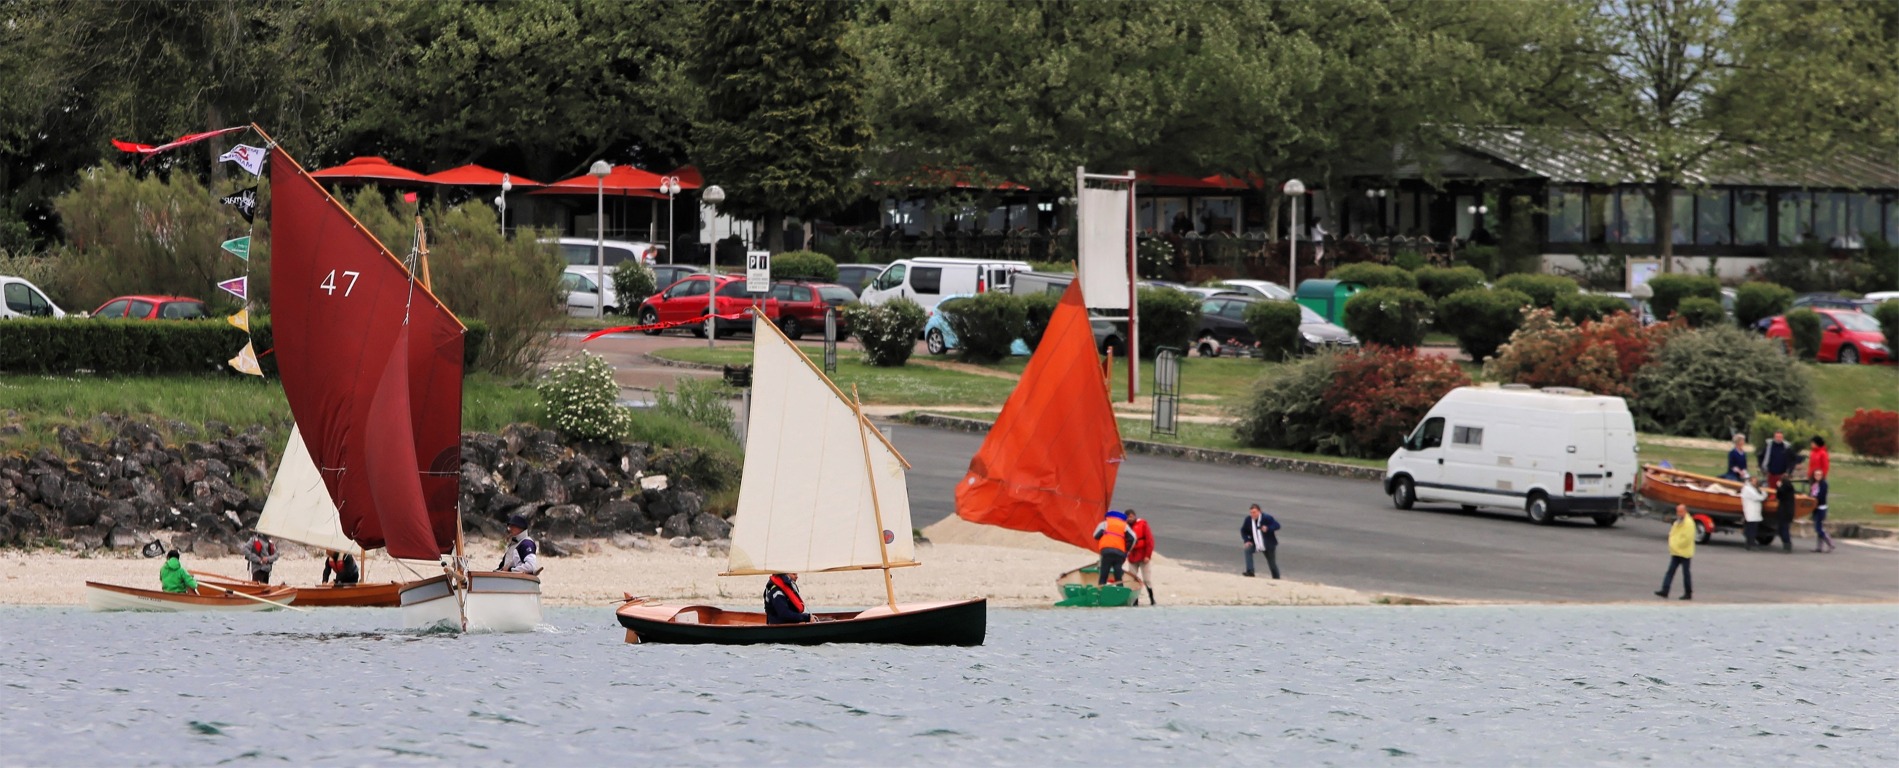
column 1048, row 464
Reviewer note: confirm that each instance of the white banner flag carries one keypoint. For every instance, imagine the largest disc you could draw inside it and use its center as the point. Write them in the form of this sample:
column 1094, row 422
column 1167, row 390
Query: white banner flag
column 1102, row 219
column 247, row 157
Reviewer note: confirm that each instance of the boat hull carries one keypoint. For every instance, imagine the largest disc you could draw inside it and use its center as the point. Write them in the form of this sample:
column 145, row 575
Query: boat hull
column 1078, row 589
column 386, row 594
column 962, row 623
column 496, row 602
column 1668, row 487
column 112, row 597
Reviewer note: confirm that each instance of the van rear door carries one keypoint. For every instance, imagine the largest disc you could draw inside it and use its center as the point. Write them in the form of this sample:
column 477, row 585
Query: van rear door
column 1588, row 453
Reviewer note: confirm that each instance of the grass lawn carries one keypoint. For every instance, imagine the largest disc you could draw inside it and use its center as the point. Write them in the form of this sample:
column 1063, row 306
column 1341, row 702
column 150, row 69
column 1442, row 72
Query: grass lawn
column 1856, row 484
column 1842, row 388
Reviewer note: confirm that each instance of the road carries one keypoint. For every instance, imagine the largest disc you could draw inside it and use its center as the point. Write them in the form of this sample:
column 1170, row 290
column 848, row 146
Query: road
column 1346, row 533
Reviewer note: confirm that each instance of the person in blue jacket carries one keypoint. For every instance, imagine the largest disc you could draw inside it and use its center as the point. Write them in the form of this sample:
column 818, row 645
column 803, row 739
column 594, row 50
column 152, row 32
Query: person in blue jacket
column 1737, row 459
column 783, row 603
column 1260, row 532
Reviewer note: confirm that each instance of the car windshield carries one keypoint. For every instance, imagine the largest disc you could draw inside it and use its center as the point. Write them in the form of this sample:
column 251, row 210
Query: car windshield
column 1857, row 321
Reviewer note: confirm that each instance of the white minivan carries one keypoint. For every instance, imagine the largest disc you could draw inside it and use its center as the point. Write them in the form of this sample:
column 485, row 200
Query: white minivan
column 1555, row 452
column 21, row 298
column 926, row 281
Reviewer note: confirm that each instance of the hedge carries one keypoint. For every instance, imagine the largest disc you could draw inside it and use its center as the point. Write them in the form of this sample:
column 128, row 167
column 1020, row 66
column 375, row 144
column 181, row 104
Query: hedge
column 1581, row 307
column 986, row 324
column 149, row 347
column 887, row 331
column 803, row 265
column 1804, row 326
column 1887, row 313
column 1439, row 282
column 1374, row 275
column 1168, row 318
column 1543, row 289
column 1701, row 312
column 1037, row 309
column 1670, row 289
column 1275, row 325
column 1757, row 300
column 1482, row 319
column 1393, row 317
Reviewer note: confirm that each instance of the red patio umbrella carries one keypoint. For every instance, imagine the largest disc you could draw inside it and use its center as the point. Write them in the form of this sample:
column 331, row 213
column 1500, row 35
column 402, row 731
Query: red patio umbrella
column 1183, row 181
column 689, row 177
column 472, row 175
column 368, row 169
column 623, row 181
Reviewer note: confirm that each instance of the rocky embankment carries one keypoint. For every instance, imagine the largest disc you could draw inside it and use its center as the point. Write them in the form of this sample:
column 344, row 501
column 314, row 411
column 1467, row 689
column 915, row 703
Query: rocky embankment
column 120, row 484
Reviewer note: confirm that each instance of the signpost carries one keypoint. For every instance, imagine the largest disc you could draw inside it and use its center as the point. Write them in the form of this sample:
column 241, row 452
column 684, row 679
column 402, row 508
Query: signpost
column 1166, row 392
column 758, row 271
column 830, row 341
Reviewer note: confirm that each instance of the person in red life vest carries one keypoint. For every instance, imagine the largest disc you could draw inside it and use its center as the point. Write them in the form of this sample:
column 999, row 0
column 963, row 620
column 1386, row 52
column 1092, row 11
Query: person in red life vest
column 1819, row 465
column 261, row 553
column 343, row 566
column 1114, row 539
column 1142, row 553
column 783, row 604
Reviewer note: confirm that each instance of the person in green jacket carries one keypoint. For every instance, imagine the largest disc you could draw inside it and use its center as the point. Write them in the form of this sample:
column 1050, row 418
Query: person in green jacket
column 1681, row 550
column 174, row 576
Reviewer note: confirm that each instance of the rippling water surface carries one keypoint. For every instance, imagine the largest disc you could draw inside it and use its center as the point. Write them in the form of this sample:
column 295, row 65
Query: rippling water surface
column 1301, row 686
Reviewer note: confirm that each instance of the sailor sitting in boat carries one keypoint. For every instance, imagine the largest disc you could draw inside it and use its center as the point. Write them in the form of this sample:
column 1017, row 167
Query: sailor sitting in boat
column 519, row 555
column 783, row 604
column 342, row 565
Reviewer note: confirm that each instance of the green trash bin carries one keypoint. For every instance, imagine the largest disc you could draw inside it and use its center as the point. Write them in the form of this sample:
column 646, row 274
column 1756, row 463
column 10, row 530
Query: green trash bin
column 1327, row 297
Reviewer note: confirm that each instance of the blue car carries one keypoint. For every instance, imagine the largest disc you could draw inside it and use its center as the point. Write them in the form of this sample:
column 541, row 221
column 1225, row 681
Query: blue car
column 939, row 339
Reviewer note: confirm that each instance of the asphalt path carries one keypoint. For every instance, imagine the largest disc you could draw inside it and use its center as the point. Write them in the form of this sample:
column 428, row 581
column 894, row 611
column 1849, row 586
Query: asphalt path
column 1346, row 533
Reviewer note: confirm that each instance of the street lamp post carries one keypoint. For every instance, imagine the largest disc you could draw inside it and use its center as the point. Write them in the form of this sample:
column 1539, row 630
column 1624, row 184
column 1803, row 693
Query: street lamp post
column 1293, row 189
column 670, row 186
column 712, row 195
column 600, row 170
column 501, row 201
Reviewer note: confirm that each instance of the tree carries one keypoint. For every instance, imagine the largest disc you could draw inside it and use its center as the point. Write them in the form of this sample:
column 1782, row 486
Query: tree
column 781, row 129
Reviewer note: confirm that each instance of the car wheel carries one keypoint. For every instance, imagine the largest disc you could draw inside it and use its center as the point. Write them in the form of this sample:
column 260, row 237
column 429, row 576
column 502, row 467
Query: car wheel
column 792, row 329
column 650, row 317
column 933, row 341
column 1403, row 495
column 1207, row 348
column 1539, row 509
column 1849, row 354
column 1606, row 520
column 699, row 327
column 1703, row 535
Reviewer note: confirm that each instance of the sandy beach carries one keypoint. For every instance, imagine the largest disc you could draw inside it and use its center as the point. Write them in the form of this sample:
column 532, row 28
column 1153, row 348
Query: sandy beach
column 962, row 561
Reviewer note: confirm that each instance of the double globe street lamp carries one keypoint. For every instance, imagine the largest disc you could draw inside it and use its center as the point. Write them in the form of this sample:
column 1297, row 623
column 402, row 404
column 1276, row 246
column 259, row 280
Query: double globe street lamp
column 599, row 171
column 713, row 196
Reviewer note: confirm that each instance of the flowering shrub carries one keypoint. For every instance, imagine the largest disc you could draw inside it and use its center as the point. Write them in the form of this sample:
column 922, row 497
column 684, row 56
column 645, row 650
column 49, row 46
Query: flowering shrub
column 1873, row 433
column 1602, row 356
column 1383, row 392
column 582, row 399
column 888, row 331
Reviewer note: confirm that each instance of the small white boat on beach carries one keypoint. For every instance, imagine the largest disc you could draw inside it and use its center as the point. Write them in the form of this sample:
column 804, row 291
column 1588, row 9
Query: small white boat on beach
column 112, row 597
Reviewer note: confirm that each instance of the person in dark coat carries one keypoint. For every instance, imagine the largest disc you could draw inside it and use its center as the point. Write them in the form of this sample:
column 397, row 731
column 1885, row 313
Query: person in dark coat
column 1260, row 532
column 342, row 565
column 783, row 603
column 1776, row 459
column 1737, row 459
column 1784, row 514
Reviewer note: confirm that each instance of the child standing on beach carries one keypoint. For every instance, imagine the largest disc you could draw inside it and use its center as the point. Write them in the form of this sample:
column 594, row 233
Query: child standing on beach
column 1681, row 550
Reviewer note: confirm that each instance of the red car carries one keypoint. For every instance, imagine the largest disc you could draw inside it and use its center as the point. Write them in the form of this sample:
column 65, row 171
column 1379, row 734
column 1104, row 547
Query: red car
column 801, row 307
column 151, row 308
column 1846, row 336
column 687, row 299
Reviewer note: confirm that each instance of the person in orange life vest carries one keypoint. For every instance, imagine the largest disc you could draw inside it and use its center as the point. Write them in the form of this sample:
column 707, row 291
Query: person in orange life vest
column 261, row 553
column 783, row 603
column 1142, row 553
column 1114, row 539
column 343, row 566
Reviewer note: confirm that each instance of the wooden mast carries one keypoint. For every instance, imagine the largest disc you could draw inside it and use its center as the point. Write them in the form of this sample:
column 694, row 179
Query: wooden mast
column 876, row 507
column 457, row 573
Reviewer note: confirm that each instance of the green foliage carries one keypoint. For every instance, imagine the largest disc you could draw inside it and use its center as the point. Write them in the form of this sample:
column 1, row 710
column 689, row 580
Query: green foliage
column 1799, row 432
column 1671, row 289
column 1708, row 382
column 117, row 347
column 986, row 324
column 1439, row 282
column 1037, row 308
column 887, row 331
column 511, row 284
column 1483, row 258
column 632, row 283
column 582, row 400
column 1701, row 312
column 1393, row 317
column 1482, row 319
column 1374, row 275
column 1275, row 325
column 704, row 402
column 1755, row 301
column 1887, row 313
column 1804, row 325
column 1288, row 411
column 1168, row 318
column 1409, row 261
column 1580, row 307
column 1542, row 289
column 803, row 265
column 130, row 235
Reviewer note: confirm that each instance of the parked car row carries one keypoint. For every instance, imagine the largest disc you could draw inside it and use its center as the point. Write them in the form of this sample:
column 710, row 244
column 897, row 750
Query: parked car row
column 21, row 298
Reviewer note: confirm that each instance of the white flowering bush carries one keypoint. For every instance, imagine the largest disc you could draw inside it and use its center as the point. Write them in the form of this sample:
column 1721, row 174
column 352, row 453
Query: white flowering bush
column 888, row 331
column 582, row 399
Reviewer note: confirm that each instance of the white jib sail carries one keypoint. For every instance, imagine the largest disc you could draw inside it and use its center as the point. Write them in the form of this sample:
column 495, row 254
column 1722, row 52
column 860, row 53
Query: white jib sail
column 805, row 498
column 299, row 507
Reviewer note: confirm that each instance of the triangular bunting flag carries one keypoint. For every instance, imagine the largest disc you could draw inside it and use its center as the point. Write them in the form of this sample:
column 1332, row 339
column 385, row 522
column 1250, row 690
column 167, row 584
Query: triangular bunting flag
column 246, row 361
column 242, row 320
column 247, row 157
column 236, row 286
column 239, row 247
column 244, row 200
column 148, row 150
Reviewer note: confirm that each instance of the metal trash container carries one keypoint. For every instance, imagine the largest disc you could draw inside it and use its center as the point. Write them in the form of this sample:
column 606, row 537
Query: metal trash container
column 1327, row 297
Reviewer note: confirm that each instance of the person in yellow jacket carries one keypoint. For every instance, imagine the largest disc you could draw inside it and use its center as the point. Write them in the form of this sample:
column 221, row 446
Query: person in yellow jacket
column 1681, row 551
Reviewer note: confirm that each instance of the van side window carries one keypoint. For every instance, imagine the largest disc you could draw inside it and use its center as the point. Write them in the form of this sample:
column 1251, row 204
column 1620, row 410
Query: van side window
column 891, row 278
column 1430, row 434
column 16, row 298
column 927, row 280
column 1471, row 436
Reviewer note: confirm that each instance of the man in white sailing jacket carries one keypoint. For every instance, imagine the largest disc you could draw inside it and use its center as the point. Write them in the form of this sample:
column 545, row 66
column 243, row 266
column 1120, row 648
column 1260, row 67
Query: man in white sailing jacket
column 783, row 603
column 519, row 556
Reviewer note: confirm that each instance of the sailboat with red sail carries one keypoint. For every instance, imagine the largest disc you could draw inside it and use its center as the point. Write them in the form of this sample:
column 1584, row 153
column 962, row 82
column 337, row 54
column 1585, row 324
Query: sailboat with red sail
column 371, row 363
column 1048, row 465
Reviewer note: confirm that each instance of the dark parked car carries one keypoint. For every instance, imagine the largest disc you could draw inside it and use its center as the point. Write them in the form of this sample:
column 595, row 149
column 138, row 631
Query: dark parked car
column 1223, row 323
column 856, row 276
column 801, row 307
column 1817, row 301
column 151, row 308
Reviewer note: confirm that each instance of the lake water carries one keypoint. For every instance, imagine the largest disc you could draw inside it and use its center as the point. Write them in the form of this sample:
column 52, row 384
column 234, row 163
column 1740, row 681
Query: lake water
column 1665, row 684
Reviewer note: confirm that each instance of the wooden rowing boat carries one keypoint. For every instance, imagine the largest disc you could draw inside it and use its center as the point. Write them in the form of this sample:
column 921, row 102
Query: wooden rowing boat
column 1078, row 589
column 112, row 597
column 962, row 623
column 1712, row 496
column 386, row 594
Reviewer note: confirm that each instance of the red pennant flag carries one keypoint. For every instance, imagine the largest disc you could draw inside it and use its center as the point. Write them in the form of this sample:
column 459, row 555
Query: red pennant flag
column 148, row 149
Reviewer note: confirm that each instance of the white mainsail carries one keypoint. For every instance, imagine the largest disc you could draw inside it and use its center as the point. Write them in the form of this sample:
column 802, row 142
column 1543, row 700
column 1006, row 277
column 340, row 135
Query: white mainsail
column 805, row 498
column 299, row 508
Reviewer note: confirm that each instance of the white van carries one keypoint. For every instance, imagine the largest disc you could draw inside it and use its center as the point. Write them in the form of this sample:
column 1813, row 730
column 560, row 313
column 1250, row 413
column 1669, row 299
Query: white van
column 1555, row 452
column 20, row 298
column 927, row 281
